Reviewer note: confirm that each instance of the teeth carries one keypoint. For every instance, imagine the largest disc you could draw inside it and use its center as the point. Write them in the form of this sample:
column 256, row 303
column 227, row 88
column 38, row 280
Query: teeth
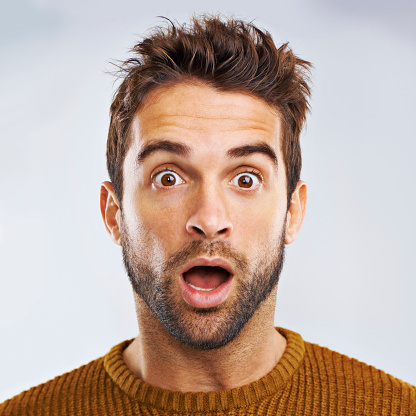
column 200, row 288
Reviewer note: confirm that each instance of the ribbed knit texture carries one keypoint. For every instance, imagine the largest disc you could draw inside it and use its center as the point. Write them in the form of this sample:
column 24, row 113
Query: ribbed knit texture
column 308, row 380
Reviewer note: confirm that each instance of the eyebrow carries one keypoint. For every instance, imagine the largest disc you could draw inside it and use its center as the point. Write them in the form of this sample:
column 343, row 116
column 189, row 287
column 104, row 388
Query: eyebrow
column 165, row 145
column 184, row 150
column 260, row 147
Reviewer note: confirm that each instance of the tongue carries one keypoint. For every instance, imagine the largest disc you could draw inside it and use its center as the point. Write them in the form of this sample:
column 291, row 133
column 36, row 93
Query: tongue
column 206, row 277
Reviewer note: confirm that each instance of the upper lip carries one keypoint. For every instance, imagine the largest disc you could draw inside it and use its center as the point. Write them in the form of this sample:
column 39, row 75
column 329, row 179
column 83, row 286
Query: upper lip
column 209, row 262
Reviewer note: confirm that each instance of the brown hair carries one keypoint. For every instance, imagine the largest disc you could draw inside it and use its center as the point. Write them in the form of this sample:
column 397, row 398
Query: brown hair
column 229, row 55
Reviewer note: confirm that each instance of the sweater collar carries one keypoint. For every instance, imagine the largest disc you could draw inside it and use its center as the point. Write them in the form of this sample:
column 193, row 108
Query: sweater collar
column 240, row 397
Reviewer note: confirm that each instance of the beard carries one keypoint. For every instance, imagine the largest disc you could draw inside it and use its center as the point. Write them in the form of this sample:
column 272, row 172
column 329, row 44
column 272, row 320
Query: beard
column 205, row 329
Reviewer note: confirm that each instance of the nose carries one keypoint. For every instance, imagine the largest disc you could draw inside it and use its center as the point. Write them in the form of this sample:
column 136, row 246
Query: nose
column 209, row 218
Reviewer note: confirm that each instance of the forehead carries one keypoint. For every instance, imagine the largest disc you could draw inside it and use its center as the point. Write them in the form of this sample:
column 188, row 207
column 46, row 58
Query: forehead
column 203, row 116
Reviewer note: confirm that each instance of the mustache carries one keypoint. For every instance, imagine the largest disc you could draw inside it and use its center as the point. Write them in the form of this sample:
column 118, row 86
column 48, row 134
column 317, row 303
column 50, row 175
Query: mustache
column 201, row 248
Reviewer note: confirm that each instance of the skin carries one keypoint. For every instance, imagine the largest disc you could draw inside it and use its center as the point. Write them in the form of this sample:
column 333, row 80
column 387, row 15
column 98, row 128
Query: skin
column 205, row 203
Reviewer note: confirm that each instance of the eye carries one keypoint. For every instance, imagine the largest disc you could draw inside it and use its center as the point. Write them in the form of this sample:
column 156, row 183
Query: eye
column 168, row 178
column 245, row 180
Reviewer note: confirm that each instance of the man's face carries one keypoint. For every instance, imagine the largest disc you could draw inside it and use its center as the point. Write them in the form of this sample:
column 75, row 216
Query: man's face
column 204, row 209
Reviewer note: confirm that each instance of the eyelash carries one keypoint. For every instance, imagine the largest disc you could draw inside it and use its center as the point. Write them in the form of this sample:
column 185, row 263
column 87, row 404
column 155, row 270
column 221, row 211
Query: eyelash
column 164, row 170
column 252, row 171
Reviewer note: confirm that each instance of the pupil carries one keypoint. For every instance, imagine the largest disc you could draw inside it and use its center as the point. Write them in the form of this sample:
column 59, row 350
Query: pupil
column 168, row 179
column 245, row 181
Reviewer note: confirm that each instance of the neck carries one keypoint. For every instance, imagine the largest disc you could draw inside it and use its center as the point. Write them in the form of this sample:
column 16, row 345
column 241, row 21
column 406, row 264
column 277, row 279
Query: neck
column 160, row 360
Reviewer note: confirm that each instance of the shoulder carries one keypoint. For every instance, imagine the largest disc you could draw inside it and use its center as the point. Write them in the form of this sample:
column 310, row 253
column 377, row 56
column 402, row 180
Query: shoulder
column 61, row 395
column 350, row 383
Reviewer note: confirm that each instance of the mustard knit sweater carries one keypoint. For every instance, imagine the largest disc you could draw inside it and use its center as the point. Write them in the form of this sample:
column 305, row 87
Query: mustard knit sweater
column 308, row 380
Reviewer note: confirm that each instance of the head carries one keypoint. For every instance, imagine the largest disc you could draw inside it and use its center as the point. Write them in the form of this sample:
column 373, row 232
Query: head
column 204, row 158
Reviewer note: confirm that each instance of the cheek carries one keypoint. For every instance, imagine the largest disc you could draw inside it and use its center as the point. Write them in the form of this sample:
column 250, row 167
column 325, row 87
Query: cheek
column 261, row 224
column 160, row 228
column 267, row 211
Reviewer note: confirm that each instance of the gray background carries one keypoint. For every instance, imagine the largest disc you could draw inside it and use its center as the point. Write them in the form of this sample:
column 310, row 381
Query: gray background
column 349, row 279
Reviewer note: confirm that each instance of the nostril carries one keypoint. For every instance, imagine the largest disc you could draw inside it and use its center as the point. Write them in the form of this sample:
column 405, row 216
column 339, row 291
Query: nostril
column 223, row 231
column 198, row 230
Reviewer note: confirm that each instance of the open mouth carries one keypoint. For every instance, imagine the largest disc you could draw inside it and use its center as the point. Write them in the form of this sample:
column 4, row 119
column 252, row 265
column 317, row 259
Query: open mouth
column 206, row 278
column 206, row 283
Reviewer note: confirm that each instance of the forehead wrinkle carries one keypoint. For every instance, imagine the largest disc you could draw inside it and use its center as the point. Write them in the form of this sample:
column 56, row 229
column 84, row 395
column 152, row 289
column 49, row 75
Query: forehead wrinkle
column 182, row 125
column 160, row 118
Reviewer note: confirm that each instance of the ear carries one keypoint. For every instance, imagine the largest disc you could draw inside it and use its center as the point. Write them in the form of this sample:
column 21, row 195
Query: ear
column 296, row 212
column 110, row 211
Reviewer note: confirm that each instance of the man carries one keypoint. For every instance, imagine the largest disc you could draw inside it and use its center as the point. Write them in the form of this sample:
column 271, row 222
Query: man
column 204, row 159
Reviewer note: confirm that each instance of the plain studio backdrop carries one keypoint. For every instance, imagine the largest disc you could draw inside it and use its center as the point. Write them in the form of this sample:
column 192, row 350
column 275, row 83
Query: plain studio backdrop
column 349, row 279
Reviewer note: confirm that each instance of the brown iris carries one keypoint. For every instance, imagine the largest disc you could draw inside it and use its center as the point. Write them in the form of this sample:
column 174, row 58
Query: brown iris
column 168, row 179
column 245, row 181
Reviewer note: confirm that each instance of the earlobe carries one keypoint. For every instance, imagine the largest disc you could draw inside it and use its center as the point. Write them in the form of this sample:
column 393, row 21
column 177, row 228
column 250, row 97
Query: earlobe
column 296, row 212
column 110, row 211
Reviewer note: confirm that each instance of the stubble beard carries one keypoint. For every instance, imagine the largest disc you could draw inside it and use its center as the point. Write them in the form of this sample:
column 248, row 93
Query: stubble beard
column 211, row 328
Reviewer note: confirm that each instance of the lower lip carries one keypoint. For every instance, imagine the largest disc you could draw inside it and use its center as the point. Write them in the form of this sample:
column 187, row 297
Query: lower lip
column 205, row 299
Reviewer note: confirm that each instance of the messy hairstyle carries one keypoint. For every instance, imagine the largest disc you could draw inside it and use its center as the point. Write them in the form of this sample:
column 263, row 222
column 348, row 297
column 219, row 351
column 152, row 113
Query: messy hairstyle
column 228, row 55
